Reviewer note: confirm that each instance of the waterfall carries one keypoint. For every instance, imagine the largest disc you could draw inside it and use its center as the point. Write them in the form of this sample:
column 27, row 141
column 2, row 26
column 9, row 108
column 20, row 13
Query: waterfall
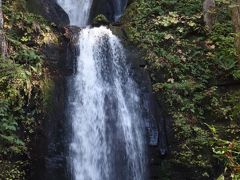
column 77, row 10
column 119, row 6
column 108, row 139
column 105, row 112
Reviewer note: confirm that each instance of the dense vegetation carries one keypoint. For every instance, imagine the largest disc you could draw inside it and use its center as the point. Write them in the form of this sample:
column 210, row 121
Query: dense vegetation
column 22, row 86
column 195, row 72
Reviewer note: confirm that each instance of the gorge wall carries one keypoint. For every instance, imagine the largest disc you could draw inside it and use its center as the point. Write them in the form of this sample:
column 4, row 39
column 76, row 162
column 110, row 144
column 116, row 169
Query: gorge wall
column 183, row 70
column 54, row 155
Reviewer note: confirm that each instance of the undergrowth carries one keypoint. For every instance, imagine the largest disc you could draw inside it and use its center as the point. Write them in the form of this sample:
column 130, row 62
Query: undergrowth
column 22, row 76
column 196, row 74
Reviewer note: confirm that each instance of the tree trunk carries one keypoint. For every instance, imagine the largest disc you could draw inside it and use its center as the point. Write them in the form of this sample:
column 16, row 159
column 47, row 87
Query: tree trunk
column 235, row 12
column 209, row 13
column 2, row 35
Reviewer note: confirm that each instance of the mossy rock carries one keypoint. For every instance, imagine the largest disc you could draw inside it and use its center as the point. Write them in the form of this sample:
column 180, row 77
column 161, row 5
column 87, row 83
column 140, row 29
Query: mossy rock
column 100, row 20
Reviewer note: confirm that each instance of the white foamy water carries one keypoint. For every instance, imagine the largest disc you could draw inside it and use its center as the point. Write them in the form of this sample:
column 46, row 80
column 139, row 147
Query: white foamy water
column 77, row 10
column 108, row 132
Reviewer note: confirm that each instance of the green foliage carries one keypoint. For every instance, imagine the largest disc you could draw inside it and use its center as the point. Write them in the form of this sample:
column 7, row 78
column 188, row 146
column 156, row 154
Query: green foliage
column 10, row 170
column 192, row 63
column 227, row 151
column 21, row 86
column 223, row 39
column 12, row 79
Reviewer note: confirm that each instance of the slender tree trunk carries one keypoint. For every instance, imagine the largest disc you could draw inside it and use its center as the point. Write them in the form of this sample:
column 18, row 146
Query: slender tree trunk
column 2, row 36
column 209, row 13
column 235, row 12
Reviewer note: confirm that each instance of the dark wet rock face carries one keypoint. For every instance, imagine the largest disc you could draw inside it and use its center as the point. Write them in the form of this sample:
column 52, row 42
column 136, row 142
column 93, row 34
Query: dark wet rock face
column 51, row 163
column 59, row 58
column 72, row 33
column 53, row 137
column 153, row 113
column 53, row 140
column 50, row 10
column 50, row 149
column 157, row 122
column 112, row 9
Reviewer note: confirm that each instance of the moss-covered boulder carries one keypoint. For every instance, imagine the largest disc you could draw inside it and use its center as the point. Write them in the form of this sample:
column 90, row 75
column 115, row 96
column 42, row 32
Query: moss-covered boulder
column 100, row 20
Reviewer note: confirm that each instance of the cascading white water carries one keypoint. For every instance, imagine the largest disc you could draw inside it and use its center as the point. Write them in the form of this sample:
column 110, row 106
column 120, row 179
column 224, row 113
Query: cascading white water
column 105, row 112
column 108, row 140
column 77, row 10
column 119, row 6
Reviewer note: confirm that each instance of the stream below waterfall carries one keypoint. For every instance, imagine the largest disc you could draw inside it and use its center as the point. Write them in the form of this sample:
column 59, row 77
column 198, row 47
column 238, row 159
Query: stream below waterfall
column 108, row 133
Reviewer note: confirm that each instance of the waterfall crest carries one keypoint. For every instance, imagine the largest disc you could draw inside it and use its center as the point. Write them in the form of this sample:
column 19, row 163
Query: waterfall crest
column 77, row 10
